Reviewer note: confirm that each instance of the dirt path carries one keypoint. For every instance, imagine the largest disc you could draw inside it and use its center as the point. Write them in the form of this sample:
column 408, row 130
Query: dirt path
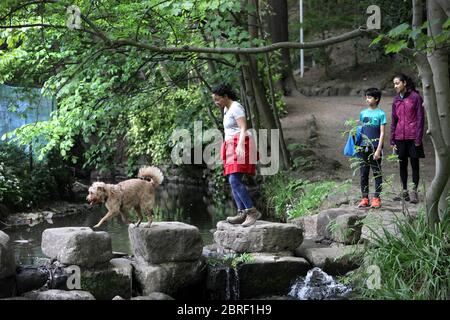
column 331, row 114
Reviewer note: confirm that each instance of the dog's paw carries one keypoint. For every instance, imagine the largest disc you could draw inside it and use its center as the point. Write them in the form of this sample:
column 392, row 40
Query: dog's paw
column 96, row 226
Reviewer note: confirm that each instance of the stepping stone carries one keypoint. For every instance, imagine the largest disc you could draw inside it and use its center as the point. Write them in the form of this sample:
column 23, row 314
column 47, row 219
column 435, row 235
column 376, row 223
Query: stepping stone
column 59, row 295
column 166, row 242
column 263, row 236
column 7, row 258
column 77, row 246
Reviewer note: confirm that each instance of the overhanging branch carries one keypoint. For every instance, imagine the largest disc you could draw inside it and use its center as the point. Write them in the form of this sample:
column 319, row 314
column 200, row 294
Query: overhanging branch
column 236, row 50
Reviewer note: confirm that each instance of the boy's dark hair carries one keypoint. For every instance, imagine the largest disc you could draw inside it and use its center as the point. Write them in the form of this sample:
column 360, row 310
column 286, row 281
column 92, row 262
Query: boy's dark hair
column 225, row 89
column 410, row 85
column 374, row 92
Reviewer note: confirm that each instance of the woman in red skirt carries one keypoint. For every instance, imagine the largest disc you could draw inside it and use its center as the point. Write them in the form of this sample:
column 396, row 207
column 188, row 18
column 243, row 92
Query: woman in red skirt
column 238, row 154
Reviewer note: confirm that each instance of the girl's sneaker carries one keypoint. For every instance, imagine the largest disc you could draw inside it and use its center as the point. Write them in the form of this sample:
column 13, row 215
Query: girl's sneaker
column 364, row 203
column 375, row 203
column 404, row 195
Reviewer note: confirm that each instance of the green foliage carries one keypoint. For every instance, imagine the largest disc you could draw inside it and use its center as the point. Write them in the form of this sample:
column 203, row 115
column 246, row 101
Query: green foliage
column 232, row 260
column 290, row 198
column 281, row 193
column 414, row 264
column 315, row 194
column 121, row 101
column 402, row 36
column 22, row 187
column 242, row 258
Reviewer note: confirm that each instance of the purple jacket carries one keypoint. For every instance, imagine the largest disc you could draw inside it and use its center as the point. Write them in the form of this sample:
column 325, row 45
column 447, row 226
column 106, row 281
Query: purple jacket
column 408, row 118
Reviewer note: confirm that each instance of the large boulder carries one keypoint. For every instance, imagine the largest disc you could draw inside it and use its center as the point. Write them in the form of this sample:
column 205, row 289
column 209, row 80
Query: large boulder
column 168, row 277
column 326, row 217
column 380, row 223
column 263, row 274
column 154, row 296
column 319, row 226
column 77, row 246
column 59, row 295
column 7, row 258
column 336, row 260
column 263, row 236
column 269, row 274
column 166, row 242
column 30, row 278
column 8, row 287
column 347, row 228
column 308, row 224
column 106, row 283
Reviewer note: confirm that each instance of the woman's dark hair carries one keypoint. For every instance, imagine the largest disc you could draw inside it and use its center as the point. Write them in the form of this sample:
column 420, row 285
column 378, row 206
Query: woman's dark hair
column 374, row 92
column 410, row 85
column 223, row 90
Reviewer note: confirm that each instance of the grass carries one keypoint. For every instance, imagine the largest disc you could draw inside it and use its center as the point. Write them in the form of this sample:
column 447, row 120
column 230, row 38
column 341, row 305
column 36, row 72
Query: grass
column 290, row 198
column 413, row 264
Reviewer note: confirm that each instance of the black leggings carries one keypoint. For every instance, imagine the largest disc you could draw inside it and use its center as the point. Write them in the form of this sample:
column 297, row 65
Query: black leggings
column 404, row 172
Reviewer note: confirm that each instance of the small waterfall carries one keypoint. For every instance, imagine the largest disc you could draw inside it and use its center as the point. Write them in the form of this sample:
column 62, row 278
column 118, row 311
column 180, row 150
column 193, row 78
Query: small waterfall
column 227, row 284
column 232, row 284
column 317, row 285
column 223, row 283
column 236, row 284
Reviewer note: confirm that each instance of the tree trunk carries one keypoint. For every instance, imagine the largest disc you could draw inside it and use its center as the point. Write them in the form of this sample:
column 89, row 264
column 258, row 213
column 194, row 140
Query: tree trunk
column 440, row 179
column 438, row 60
column 249, row 93
column 263, row 106
column 279, row 32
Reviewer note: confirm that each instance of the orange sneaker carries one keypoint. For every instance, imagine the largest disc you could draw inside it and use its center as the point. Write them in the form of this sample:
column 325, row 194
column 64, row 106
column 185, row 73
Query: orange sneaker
column 375, row 203
column 363, row 203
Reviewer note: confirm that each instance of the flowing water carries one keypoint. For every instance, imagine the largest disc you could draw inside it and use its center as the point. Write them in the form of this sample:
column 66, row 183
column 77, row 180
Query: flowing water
column 317, row 285
column 174, row 203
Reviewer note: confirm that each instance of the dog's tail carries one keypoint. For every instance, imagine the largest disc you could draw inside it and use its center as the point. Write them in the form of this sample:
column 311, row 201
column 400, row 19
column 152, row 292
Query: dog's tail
column 151, row 174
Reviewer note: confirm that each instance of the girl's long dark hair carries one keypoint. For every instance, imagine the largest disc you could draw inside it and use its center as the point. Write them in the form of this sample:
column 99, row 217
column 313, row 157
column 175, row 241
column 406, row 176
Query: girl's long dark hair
column 410, row 85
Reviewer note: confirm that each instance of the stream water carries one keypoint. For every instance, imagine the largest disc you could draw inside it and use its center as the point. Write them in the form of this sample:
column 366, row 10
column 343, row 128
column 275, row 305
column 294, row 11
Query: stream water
column 174, row 203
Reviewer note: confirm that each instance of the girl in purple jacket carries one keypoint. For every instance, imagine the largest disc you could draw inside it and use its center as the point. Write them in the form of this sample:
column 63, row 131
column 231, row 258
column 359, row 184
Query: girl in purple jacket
column 407, row 128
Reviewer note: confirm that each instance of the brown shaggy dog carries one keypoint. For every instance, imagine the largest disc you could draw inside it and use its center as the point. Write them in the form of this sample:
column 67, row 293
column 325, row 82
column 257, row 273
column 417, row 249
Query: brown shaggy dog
column 137, row 194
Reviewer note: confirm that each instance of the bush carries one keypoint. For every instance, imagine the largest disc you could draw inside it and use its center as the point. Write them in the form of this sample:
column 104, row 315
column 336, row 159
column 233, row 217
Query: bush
column 23, row 186
column 413, row 265
column 290, row 198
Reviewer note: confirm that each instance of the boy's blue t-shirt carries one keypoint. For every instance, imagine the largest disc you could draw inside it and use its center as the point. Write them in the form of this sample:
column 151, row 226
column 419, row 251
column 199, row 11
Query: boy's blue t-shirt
column 371, row 121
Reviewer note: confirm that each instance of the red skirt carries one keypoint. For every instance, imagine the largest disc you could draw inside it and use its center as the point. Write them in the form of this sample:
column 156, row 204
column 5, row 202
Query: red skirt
column 233, row 163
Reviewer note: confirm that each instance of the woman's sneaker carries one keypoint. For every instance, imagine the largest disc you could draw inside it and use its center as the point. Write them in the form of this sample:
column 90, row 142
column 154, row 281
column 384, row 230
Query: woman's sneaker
column 239, row 218
column 252, row 216
column 364, row 203
column 375, row 203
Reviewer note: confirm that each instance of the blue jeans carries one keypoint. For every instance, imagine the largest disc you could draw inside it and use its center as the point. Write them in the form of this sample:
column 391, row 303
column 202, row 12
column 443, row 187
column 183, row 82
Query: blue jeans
column 239, row 191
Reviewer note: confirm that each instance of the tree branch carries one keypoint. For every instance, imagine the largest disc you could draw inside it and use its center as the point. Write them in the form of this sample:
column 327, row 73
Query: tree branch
column 33, row 25
column 252, row 50
column 44, row 25
column 417, row 13
column 17, row 8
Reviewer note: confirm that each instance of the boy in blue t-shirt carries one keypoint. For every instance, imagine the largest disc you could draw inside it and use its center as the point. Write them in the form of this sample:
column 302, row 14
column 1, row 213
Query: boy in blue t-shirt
column 373, row 122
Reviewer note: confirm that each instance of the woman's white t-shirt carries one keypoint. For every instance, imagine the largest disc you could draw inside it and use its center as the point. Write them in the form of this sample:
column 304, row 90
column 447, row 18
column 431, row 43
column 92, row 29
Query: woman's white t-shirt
column 230, row 124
